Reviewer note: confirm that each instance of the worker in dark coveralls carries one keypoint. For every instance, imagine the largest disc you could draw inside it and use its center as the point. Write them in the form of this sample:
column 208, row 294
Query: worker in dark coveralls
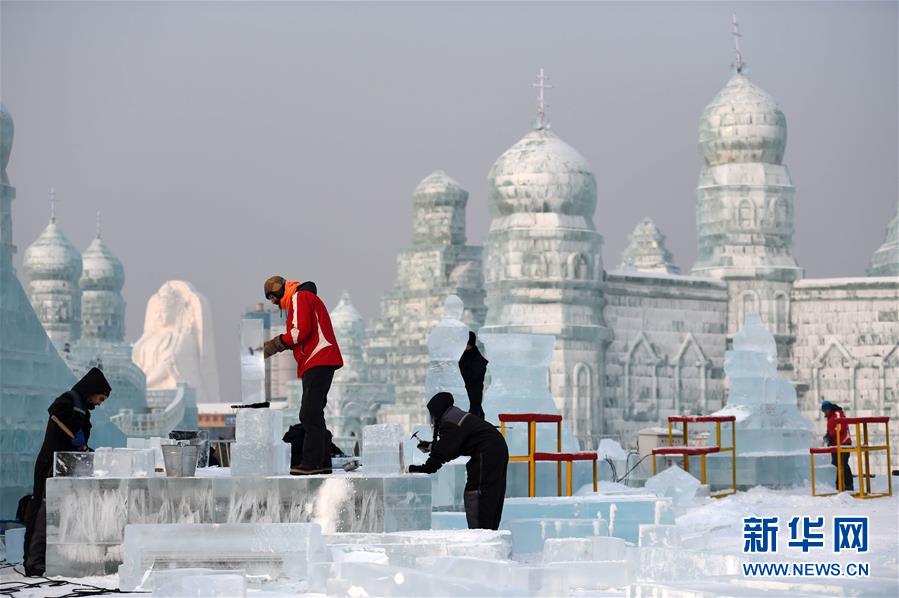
column 457, row 433
column 68, row 429
column 473, row 367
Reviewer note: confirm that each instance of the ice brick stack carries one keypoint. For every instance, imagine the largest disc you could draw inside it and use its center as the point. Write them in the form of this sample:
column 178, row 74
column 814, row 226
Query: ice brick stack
column 258, row 450
column 382, row 449
column 773, row 437
column 273, row 550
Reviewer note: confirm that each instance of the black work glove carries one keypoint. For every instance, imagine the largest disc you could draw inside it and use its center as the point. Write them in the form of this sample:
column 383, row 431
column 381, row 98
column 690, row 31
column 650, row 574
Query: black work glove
column 828, row 440
column 417, row 469
column 272, row 347
column 424, row 446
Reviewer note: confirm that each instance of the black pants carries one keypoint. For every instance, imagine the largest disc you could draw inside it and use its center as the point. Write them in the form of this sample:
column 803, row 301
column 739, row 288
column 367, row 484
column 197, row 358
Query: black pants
column 848, row 483
column 485, row 488
column 317, row 442
column 36, row 538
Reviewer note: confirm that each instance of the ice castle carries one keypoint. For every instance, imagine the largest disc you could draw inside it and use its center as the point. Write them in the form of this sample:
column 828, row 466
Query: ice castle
column 643, row 341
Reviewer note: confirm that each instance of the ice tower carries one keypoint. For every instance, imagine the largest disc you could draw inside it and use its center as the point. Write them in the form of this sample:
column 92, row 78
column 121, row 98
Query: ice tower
column 438, row 264
column 354, row 400
column 744, row 207
column 53, row 266
column 543, row 270
column 885, row 261
column 32, row 373
column 773, row 437
column 646, row 251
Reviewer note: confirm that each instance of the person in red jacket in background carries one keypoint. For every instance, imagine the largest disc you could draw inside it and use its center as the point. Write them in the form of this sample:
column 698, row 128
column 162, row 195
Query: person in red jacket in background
column 311, row 338
column 834, row 413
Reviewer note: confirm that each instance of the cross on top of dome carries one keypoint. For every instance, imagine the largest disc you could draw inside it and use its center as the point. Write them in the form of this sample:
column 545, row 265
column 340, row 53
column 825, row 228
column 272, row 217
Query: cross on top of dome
column 51, row 197
column 738, row 64
column 541, row 85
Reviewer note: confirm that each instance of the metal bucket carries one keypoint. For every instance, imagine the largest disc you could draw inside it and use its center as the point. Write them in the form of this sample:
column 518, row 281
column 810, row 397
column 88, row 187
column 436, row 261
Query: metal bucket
column 180, row 460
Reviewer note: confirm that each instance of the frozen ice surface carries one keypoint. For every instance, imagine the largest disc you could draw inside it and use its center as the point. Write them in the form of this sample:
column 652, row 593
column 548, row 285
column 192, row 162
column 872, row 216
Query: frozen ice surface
column 384, row 580
column 595, row 574
column 198, row 583
column 88, row 541
column 73, row 464
column 567, row 549
column 382, row 449
column 124, row 463
column 606, row 548
column 659, row 536
column 252, row 362
column 755, row 337
column 260, row 549
column 676, row 484
column 446, row 343
column 260, row 426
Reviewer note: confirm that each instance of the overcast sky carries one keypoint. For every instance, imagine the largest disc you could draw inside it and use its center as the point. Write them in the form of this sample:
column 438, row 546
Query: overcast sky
column 224, row 142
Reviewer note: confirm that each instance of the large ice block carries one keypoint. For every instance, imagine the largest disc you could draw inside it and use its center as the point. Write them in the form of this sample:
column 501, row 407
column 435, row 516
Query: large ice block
column 259, row 426
column 676, row 484
column 387, row 580
column 84, row 542
column 557, row 550
column 659, row 536
column 124, row 463
column 529, row 535
column 276, row 551
column 73, row 464
column 382, row 449
column 259, row 460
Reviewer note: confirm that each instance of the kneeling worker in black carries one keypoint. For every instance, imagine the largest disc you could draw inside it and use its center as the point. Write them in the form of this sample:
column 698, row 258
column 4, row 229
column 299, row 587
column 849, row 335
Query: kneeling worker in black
column 457, row 433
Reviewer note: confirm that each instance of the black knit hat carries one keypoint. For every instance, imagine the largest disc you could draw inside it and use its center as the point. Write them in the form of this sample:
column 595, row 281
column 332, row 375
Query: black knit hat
column 92, row 383
column 439, row 403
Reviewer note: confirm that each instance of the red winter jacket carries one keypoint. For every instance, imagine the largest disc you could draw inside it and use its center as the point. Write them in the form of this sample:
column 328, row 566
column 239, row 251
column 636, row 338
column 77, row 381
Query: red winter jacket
column 845, row 438
column 309, row 331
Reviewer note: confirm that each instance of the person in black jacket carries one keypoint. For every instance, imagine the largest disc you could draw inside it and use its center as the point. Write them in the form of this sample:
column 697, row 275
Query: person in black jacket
column 457, row 433
column 68, row 429
column 473, row 367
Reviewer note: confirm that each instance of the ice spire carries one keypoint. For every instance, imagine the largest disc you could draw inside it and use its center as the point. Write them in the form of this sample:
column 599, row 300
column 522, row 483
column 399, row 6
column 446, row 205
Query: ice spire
column 99, row 226
column 738, row 64
column 542, row 121
column 647, row 252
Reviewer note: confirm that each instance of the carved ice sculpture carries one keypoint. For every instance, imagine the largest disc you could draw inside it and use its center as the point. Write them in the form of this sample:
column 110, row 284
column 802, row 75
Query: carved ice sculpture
column 446, row 343
column 178, row 343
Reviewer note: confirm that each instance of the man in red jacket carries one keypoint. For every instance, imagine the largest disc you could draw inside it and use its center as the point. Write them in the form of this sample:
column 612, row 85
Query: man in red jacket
column 311, row 338
column 834, row 413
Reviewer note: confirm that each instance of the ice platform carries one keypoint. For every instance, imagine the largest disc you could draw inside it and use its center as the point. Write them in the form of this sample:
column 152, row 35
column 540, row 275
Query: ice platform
column 86, row 517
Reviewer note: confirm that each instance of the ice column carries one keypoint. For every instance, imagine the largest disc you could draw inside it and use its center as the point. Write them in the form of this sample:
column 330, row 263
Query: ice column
column 446, row 343
column 382, row 449
column 252, row 363
column 773, row 437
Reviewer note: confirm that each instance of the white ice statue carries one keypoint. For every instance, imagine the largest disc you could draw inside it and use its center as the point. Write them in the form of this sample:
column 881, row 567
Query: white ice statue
column 178, row 343
column 446, row 343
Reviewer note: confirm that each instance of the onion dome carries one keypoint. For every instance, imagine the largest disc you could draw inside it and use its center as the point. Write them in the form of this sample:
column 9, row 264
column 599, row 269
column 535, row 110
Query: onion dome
column 541, row 173
column 7, row 130
column 102, row 270
column 346, row 318
column 52, row 257
column 438, row 188
column 742, row 124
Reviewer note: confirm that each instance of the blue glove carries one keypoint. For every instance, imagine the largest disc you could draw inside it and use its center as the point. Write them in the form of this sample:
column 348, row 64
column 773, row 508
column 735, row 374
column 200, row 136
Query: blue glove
column 78, row 441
